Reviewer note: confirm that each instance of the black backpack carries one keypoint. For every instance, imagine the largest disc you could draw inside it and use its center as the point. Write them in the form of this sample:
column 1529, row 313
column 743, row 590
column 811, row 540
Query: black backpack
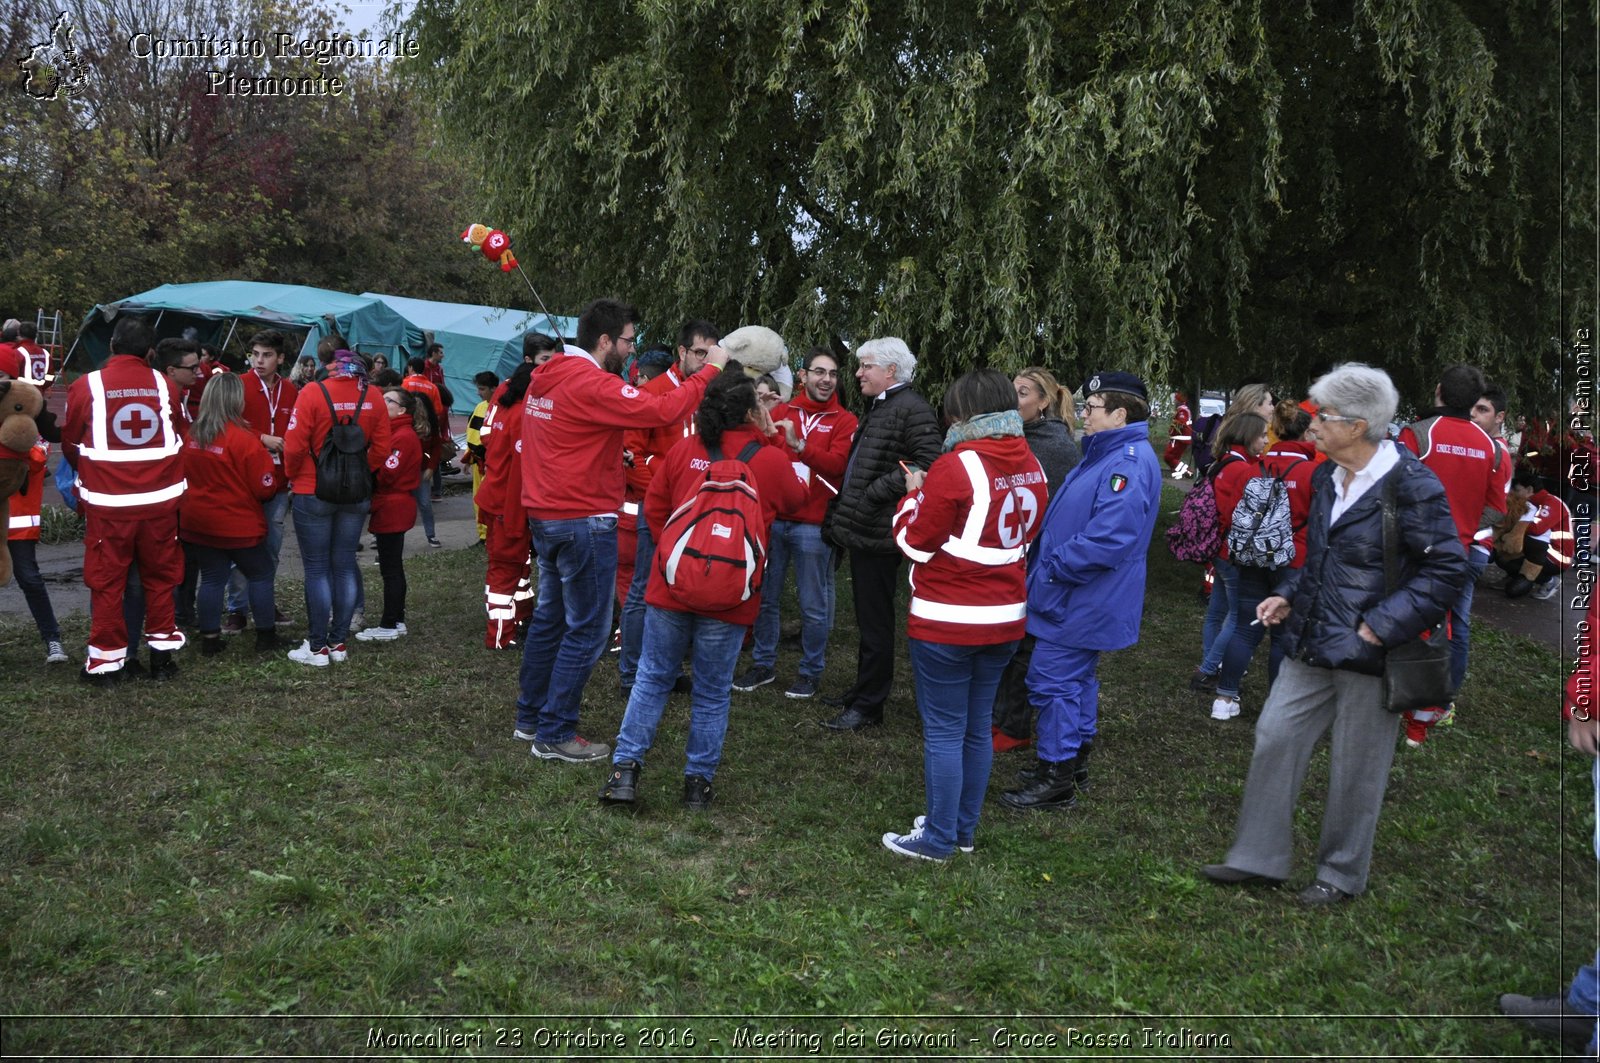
column 343, row 477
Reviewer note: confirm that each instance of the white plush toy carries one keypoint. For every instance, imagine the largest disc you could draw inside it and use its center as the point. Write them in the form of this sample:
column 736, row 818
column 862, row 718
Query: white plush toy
column 758, row 349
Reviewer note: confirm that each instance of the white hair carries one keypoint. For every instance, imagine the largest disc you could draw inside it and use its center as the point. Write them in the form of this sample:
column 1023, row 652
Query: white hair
column 893, row 352
column 1358, row 390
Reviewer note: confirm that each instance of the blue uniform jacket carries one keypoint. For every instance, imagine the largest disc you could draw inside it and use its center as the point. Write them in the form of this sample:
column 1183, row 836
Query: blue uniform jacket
column 1086, row 570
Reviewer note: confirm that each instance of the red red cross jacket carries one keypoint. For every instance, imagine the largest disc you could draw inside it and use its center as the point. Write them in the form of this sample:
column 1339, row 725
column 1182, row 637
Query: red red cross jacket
column 1463, row 457
column 25, row 507
column 394, row 497
column 267, row 409
column 500, row 491
column 228, row 481
column 679, row 475
column 967, row 534
column 1550, row 521
column 650, row 445
column 124, row 433
column 825, row 429
column 574, row 418
column 309, row 424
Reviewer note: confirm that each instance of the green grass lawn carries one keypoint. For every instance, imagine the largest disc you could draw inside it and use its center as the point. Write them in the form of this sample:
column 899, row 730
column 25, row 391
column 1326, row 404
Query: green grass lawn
column 264, row 858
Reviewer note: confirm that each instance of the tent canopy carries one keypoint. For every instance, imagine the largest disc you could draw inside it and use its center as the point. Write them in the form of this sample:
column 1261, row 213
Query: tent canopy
column 218, row 310
column 475, row 338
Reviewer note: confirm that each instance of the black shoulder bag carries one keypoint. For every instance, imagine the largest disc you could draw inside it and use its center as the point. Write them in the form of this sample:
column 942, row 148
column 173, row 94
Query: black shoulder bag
column 1416, row 674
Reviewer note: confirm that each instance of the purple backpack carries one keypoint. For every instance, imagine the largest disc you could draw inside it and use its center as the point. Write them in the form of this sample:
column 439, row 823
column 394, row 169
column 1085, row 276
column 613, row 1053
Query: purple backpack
column 1197, row 533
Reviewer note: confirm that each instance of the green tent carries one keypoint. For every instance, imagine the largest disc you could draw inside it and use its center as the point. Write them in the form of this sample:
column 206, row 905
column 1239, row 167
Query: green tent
column 475, row 338
column 219, row 311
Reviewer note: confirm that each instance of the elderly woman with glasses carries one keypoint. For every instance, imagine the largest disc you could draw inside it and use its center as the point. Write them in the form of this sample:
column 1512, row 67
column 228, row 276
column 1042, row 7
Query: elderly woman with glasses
column 1340, row 617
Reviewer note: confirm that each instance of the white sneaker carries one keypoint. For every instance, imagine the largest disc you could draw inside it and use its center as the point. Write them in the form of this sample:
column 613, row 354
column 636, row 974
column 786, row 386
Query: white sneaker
column 380, row 634
column 922, row 821
column 306, row 655
column 54, row 653
column 358, row 620
column 1543, row 592
column 1224, row 709
column 338, row 654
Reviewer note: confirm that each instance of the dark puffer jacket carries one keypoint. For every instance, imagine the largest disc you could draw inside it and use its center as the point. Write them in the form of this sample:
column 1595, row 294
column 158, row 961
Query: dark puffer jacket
column 900, row 426
column 1342, row 582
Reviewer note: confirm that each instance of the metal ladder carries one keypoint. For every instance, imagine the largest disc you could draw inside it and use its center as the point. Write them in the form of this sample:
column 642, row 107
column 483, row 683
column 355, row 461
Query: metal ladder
column 49, row 328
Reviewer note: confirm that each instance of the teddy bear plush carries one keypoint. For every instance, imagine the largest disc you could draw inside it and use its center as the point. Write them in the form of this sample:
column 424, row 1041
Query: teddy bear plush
column 20, row 403
column 758, row 348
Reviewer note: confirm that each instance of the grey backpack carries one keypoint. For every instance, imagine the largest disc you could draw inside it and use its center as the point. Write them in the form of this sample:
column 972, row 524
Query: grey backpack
column 1262, row 534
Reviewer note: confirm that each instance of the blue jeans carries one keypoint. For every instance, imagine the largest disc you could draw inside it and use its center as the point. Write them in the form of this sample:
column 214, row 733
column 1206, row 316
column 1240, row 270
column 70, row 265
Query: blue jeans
column 955, row 695
column 254, row 564
column 570, row 622
column 25, row 567
column 274, row 509
column 1461, row 619
column 1255, row 585
column 424, row 493
column 1218, row 630
column 633, row 606
column 1064, row 687
column 328, row 535
column 813, row 581
column 667, row 637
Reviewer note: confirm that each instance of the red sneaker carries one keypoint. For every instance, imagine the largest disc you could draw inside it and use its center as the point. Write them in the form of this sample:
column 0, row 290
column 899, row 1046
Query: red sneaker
column 1004, row 743
column 1416, row 733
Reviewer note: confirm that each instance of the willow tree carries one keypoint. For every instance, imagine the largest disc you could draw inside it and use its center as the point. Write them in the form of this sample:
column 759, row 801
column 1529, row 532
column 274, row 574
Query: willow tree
column 1168, row 186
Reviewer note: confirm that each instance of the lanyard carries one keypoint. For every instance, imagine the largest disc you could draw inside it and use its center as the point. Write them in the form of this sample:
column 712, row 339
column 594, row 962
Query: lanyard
column 272, row 398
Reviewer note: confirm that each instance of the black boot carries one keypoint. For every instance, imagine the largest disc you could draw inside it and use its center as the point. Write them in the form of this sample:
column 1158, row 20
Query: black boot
column 162, row 667
column 1053, row 789
column 266, row 639
column 1080, row 775
column 211, row 643
column 1080, row 770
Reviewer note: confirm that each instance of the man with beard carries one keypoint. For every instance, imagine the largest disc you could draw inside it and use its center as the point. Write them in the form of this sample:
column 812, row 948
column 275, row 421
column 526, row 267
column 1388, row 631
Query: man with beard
column 574, row 417
column 816, row 431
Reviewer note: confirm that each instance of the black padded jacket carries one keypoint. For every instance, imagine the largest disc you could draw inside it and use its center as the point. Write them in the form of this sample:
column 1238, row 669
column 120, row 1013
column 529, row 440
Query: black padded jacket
column 1342, row 582
column 900, row 426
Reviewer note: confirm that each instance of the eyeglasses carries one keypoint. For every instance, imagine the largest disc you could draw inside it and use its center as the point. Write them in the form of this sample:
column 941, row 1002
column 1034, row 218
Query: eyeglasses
column 1093, row 406
column 190, row 368
column 871, row 365
column 628, row 340
column 703, row 352
column 1336, row 417
column 834, row 373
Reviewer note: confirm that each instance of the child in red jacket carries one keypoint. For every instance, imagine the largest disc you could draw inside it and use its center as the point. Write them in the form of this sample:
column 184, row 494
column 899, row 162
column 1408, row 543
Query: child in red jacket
column 394, row 507
column 230, row 474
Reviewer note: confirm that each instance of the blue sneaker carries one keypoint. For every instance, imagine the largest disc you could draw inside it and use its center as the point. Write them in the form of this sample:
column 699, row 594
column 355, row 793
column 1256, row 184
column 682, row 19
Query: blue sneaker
column 922, row 821
column 914, row 845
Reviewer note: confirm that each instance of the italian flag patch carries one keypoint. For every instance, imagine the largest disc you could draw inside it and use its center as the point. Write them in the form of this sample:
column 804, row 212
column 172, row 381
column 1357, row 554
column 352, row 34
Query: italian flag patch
column 1118, row 482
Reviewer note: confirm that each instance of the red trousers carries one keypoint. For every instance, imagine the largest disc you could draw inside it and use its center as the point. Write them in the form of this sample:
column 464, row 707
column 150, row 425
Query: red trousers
column 110, row 548
column 627, row 547
column 507, row 583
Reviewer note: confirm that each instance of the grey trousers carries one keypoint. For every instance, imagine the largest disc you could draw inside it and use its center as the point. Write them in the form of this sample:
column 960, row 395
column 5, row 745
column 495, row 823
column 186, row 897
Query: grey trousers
column 1305, row 702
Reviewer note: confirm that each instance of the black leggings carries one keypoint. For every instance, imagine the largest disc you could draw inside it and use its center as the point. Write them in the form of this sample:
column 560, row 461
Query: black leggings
column 391, row 565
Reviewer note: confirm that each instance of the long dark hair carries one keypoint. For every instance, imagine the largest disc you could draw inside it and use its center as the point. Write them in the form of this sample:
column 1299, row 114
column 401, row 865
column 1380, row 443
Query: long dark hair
column 728, row 403
column 516, row 385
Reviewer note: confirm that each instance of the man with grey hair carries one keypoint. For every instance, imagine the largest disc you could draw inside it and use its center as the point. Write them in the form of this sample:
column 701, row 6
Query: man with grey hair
column 897, row 426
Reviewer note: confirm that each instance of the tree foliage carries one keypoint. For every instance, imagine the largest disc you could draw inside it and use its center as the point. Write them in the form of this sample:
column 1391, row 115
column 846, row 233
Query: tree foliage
column 1190, row 188
column 145, row 178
